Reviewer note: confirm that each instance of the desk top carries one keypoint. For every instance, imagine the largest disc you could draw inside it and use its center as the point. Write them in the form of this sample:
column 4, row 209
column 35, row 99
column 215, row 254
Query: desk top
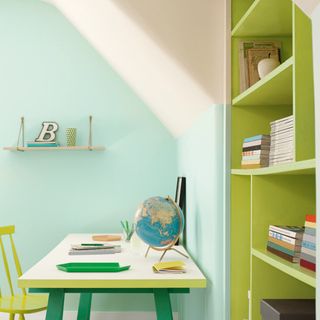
column 45, row 274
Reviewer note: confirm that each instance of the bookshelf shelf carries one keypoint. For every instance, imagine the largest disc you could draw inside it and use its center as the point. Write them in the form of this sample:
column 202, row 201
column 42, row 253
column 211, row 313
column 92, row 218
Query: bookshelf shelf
column 294, row 168
column 292, row 269
column 274, row 89
column 265, row 18
column 76, row 148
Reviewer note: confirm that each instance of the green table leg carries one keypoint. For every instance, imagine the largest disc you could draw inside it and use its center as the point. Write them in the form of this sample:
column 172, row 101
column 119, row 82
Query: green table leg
column 55, row 304
column 84, row 306
column 163, row 304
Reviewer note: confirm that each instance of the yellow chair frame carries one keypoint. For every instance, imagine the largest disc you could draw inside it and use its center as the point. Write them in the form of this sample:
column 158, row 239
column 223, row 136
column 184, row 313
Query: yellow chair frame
column 17, row 304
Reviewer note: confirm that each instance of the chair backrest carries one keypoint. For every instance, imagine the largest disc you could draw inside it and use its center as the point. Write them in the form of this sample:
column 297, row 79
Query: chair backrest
column 9, row 231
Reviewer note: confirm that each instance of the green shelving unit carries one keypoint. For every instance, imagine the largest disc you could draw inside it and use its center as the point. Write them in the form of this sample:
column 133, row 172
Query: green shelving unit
column 281, row 194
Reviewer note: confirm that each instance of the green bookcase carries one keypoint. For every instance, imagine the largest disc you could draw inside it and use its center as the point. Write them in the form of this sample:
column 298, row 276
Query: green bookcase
column 281, row 194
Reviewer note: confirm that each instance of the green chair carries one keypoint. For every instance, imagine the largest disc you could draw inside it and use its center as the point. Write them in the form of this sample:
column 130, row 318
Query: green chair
column 17, row 304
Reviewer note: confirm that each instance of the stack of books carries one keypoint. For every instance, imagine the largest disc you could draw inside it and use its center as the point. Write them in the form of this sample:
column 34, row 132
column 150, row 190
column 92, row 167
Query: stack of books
column 285, row 242
column 282, row 141
column 94, row 248
column 42, row 144
column 255, row 152
column 308, row 250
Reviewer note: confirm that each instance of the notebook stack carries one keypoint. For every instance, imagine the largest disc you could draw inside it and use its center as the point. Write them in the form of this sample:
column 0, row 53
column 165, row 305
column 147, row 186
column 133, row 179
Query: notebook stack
column 308, row 250
column 255, row 152
column 285, row 242
column 282, row 141
column 94, row 248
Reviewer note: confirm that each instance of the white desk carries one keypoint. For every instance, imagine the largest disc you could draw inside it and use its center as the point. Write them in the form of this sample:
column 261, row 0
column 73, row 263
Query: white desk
column 45, row 277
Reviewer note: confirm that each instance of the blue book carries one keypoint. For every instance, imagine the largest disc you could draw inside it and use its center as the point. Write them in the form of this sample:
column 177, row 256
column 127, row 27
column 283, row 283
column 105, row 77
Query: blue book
column 310, row 231
column 258, row 137
column 309, row 245
column 34, row 144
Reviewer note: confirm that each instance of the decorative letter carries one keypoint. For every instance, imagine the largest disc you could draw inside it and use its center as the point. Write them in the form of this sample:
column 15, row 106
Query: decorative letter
column 48, row 132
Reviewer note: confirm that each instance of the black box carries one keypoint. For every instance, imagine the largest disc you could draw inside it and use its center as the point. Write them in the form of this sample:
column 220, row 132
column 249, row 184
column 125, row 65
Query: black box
column 288, row 309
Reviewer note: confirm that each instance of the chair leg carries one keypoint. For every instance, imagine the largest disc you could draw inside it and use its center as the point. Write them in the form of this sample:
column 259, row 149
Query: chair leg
column 11, row 316
column 21, row 316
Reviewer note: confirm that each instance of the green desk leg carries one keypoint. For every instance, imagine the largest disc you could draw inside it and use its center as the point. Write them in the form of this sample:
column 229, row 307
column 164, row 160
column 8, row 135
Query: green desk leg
column 55, row 304
column 84, row 306
column 163, row 304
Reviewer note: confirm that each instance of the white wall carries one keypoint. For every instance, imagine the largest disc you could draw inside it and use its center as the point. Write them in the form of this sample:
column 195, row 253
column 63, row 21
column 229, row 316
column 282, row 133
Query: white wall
column 170, row 52
column 307, row 5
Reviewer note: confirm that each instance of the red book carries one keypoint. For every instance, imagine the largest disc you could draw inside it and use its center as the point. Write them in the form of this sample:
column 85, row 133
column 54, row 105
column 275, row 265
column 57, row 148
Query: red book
column 311, row 218
column 307, row 264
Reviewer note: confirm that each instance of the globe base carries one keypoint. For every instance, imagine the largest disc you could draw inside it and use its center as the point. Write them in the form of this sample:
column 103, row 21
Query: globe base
column 164, row 252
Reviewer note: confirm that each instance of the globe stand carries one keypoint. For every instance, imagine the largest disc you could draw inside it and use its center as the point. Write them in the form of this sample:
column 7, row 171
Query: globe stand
column 171, row 245
column 165, row 251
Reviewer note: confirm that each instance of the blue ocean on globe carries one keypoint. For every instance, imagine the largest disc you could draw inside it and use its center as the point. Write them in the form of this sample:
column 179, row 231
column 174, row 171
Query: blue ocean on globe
column 159, row 221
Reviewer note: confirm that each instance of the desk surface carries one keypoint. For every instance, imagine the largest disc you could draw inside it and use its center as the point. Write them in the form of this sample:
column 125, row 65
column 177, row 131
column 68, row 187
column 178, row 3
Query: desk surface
column 45, row 274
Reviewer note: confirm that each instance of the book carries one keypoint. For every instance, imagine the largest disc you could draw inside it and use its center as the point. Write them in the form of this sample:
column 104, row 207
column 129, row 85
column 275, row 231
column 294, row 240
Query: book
column 256, row 161
column 290, row 231
column 94, row 246
column 258, row 147
column 308, row 237
column 255, row 143
column 255, row 55
column 284, row 238
column 95, row 251
column 310, row 224
column 243, row 48
column 42, row 144
column 252, row 166
column 256, row 153
column 283, row 249
column 311, row 218
column 169, row 267
column 309, row 265
column 309, row 245
column 283, row 255
column 286, row 245
column 257, row 137
column 308, row 251
column 308, row 257
column 310, row 231
column 256, row 157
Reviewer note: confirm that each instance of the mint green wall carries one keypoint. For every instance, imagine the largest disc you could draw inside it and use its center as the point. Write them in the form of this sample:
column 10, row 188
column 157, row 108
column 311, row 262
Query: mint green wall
column 201, row 160
column 49, row 72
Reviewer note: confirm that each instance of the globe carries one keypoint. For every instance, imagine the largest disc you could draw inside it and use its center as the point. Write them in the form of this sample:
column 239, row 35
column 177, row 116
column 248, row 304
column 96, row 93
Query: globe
column 159, row 222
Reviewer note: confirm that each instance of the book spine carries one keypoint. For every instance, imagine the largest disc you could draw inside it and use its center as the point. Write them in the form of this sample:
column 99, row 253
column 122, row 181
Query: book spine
column 258, row 137
column 311, row 218
column 259, row 147
column 256, row 143
column 308, row 237
column 308, row 257
column 284, row 238
column 308, row 251
column 308, row 245
column 282, row 255
column 286, row 232
column 310, row 231
column 295, row 248
column 282, row 249
column 310, row 224
column 308, row 265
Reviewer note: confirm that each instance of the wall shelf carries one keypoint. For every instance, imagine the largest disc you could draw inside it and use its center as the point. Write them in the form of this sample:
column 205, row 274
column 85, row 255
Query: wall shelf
column 294, row 168
column 292, row 269
column 273, row 89
column 265, row 18
column 75, row 148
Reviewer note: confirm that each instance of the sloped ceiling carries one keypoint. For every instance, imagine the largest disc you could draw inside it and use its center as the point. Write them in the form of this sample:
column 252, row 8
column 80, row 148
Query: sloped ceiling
column 307, row 6
column 170, row 52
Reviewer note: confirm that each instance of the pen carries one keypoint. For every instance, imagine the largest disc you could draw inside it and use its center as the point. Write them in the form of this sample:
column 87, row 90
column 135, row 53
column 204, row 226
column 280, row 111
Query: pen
column 92, row 244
